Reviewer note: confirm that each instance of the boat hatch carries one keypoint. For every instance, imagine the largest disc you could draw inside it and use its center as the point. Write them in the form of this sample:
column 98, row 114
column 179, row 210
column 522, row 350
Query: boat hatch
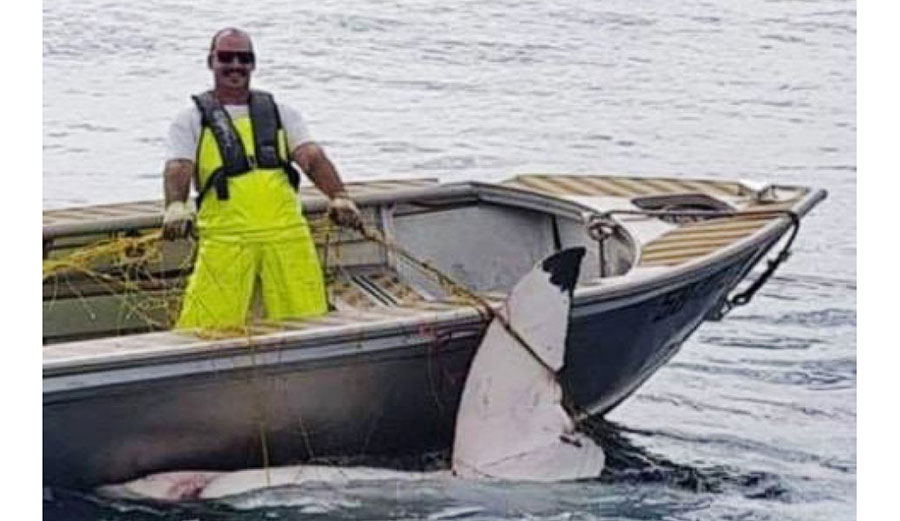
column 682, row 202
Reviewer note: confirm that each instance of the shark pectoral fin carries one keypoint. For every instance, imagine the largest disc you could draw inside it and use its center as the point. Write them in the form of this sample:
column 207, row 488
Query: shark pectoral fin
column 510, row 423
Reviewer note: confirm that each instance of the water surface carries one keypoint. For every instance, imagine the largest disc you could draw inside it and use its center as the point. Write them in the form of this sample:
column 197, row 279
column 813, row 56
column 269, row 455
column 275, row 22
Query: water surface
column 754, row 419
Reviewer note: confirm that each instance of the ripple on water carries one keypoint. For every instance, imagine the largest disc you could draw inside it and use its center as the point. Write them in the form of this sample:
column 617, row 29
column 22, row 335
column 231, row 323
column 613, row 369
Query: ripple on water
column 812, row 319
column 773, row 342
column 821, row 375
column 629, row 462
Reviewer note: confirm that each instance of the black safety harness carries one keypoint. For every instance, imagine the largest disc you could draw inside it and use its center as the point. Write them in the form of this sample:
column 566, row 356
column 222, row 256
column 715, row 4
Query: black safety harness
column 235, row 161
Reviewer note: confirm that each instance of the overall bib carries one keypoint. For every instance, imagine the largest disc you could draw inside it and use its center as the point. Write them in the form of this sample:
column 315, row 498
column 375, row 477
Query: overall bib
column 250, row 223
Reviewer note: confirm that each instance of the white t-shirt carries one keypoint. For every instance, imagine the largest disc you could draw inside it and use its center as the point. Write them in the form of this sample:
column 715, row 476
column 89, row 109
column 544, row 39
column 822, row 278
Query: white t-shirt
column 184, row 133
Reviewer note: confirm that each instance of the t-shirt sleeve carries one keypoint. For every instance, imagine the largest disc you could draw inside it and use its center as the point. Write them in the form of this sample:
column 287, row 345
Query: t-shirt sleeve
column 184, row 134
column 294, row 127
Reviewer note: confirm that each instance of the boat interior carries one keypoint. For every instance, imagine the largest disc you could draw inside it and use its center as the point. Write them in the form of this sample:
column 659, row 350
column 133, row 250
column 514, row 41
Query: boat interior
column 484, row 236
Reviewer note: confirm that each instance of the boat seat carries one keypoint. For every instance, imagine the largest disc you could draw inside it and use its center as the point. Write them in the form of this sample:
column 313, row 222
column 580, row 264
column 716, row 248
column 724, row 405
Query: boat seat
column 693, row 240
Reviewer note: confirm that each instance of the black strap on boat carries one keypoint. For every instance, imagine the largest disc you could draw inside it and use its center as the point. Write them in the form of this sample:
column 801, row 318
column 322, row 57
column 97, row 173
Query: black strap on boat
column 266, row 123
column 744, row 297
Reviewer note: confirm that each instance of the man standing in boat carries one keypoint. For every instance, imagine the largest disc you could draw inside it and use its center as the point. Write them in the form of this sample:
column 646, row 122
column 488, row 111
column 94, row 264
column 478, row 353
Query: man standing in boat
column 237, row 145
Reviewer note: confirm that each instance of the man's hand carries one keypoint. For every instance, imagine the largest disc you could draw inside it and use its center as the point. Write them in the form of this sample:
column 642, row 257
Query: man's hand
column 313, row 161
column 343, row 211
column 178, row 219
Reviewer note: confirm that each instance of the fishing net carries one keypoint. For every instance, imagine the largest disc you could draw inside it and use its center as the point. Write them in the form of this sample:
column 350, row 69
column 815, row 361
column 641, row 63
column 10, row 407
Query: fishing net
column 132, row 281
column 121, row 283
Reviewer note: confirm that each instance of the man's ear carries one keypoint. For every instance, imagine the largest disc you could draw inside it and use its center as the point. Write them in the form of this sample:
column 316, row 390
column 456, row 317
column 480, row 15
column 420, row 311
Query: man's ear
column 209, row 60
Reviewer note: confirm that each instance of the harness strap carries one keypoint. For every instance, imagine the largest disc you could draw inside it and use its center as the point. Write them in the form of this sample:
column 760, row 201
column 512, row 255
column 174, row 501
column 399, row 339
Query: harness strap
column 266, row 123
column 214, row 116
column 217, row 179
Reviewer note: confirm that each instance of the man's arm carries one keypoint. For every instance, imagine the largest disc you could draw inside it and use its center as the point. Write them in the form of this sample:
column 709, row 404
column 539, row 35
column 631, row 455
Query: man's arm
column 320, row 170
column 177, row 179
column 179, row 216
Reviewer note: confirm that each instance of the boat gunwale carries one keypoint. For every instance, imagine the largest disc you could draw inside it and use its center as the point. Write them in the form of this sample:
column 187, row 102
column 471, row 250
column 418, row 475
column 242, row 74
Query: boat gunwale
column 314, row 203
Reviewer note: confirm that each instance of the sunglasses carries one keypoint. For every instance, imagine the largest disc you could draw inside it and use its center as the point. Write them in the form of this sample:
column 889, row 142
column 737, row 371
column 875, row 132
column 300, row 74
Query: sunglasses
column 244, row 57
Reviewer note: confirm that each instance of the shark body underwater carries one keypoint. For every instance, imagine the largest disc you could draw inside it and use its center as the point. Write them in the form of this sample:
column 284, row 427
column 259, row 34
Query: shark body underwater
column 510, row 424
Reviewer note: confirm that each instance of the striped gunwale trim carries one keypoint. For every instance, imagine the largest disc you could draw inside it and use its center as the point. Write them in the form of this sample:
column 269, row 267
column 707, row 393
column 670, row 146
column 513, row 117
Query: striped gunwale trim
column 694, row 240
column 619, row 186
column 91, row 213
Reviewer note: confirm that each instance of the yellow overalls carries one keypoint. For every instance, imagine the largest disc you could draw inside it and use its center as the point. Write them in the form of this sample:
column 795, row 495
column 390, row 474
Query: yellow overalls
column 258, row 233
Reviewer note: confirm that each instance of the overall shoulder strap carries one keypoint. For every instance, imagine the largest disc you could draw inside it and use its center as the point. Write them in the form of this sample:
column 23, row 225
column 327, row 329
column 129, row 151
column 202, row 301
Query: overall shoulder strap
column 214, row 116
column 266, row 123
column 234, row 157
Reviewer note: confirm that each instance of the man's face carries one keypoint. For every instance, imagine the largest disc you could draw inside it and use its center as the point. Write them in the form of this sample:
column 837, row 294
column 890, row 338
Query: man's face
column 232, row 61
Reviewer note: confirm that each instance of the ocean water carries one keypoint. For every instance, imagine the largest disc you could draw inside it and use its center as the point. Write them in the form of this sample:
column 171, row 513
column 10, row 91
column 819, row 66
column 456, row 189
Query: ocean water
column 754, row 419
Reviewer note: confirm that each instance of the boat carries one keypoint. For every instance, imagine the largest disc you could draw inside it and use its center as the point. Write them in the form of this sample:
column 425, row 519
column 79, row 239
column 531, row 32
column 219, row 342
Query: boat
column 381, row 374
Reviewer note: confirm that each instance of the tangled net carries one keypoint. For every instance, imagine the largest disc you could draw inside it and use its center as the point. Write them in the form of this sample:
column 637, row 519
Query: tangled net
column 128, row 250
column 116, row 285
column 129, row 282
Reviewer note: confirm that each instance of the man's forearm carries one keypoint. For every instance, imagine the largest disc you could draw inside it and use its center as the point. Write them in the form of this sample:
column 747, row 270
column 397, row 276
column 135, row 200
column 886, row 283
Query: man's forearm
column 325, row 177
column 320, row 170
column 177, row 180
column 316, row 165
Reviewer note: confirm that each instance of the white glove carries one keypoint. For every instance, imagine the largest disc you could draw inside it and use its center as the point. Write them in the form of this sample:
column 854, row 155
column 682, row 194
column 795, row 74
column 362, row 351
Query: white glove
column 343, row 211
column 178, row 219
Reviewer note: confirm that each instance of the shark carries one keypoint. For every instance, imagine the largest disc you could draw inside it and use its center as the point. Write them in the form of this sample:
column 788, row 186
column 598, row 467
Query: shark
column 510, row 425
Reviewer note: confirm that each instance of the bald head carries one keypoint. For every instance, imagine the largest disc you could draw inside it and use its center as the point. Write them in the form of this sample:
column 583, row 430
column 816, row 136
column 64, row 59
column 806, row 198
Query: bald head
column 232, row 33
